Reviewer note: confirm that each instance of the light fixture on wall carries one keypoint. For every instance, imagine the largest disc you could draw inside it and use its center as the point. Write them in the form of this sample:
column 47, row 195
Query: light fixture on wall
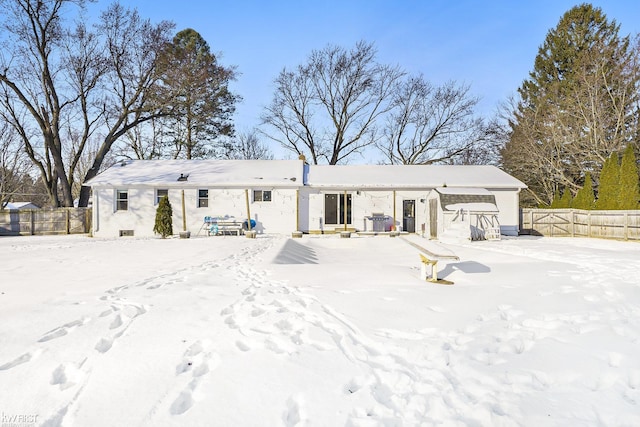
column 183, row 177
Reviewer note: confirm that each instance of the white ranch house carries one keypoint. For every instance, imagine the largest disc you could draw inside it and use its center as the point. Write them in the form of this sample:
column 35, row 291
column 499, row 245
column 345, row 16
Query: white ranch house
column 290, row 195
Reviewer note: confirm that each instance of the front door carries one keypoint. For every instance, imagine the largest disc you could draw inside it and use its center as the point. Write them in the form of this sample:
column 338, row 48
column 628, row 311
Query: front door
column 409, row 216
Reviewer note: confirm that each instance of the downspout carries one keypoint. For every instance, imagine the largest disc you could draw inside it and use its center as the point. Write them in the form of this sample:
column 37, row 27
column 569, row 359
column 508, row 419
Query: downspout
column 184, row 214
column 394, row 210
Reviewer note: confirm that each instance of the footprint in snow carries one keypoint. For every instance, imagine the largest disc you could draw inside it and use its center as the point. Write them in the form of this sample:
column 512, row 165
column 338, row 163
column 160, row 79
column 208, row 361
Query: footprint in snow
column 199, row 362
column 294, row 414
column 20, row 360
column 63, row 330
column 66, row 375
column 104, row 345
column 118, row 321
column 243, row 346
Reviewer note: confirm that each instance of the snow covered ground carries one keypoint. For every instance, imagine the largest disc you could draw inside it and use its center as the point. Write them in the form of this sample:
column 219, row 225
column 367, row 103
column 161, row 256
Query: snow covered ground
column 318, row 331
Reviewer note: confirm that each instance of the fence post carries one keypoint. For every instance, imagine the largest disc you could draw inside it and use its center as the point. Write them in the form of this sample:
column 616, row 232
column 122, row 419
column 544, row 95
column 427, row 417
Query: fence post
column 589, row 224
column 572, row 222
column 626, row 226
column 32, row 222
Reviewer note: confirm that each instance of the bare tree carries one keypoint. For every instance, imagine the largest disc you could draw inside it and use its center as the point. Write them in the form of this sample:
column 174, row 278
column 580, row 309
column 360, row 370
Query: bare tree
column 145, row 141
column 59, row 86
column 432, row 124
column 131, row 95
column 13, row 163
column 29, row 76
column 327, row 108
column 248, row 146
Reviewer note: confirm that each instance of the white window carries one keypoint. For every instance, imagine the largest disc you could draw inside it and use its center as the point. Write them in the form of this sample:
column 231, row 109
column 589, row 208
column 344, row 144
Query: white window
column 203, row 198
column 160, row 193
column 261, row 195
column 122, row 200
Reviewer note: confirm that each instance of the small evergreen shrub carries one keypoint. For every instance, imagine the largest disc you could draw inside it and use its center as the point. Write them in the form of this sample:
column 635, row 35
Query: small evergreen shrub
column 164, row 221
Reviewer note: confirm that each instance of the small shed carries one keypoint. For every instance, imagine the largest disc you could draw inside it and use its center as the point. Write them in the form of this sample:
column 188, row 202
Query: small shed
column 466, row 212
column 21, row 205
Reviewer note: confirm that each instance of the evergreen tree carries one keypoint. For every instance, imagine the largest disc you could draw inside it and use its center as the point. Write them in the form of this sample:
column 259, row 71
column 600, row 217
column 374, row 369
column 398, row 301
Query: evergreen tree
column 164, row 221
column 204, row 105
column 584, row 197
column 629, row 191
column 555, row 203
column 565, row 200
column 578, row 104
column 608, row 188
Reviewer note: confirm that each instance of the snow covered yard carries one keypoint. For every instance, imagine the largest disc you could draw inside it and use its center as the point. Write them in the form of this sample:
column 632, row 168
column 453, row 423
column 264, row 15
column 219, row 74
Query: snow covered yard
column 318, row 331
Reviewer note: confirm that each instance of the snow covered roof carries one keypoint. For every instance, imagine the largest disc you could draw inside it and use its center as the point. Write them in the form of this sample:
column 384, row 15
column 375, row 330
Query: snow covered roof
column 205, row 173
column 21, row 205
column 410, row 176
column 289, row 173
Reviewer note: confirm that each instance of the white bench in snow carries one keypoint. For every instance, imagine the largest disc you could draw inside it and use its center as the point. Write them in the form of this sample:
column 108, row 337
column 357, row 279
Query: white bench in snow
column 433, row 263
column 430, row 259
column 222, row 227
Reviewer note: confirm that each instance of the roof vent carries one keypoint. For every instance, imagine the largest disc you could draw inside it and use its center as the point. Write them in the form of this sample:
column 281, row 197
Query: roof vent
column 183, row 177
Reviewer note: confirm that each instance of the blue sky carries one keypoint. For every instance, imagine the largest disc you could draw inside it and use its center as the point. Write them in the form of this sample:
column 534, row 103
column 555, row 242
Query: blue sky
column 490, row 45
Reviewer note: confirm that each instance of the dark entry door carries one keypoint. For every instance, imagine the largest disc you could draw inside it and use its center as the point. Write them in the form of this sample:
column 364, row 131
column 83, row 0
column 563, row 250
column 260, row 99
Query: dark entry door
column 409, row 216
column 330, row 208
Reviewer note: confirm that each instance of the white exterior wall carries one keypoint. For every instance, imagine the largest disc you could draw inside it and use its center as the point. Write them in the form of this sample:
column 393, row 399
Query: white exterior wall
column 363, row 204
column 276, row 216
column 509, row 206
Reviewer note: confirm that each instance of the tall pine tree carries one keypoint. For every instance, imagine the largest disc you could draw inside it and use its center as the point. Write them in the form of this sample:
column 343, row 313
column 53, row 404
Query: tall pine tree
column 629, row 191
column 204, row 105
column 608, row 189
column 577, row 106
column 164, row 218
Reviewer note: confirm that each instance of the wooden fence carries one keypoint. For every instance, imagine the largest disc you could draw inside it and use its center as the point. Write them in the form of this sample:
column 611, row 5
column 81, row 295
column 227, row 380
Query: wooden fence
column 45, row 221
column 622, row 225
